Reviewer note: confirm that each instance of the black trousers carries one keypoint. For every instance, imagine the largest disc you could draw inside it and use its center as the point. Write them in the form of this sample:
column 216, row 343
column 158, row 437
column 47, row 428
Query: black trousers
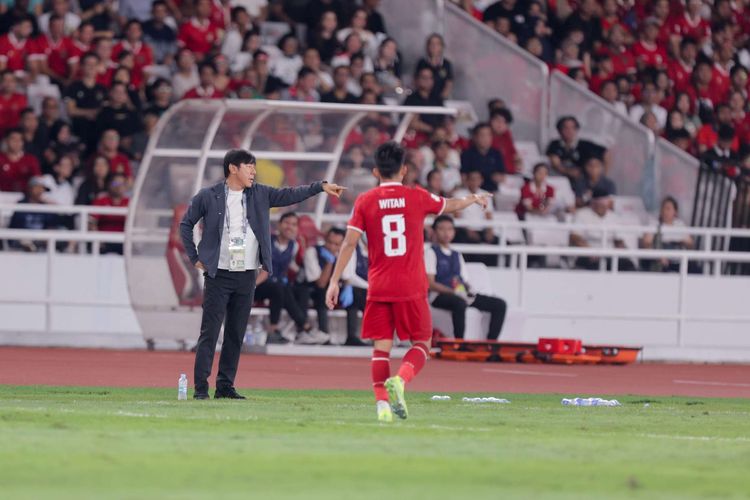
column 352, row 318
column 319, row 301
column 227, row 299
column 457, row 306
column 285, row 296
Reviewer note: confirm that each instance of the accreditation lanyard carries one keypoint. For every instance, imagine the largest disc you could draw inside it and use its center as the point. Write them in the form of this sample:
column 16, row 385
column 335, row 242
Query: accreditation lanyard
column 226, row 211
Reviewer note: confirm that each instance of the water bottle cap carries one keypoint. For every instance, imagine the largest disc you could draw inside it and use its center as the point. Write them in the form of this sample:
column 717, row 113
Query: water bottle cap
column 182, row 375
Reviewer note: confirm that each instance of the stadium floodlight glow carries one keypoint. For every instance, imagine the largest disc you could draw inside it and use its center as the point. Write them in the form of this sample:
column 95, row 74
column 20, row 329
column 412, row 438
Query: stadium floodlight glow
column 294, row 143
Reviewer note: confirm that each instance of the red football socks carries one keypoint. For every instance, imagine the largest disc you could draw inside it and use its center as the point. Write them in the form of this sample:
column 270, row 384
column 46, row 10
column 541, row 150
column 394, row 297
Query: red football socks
column 413, row 361
column 381, row 370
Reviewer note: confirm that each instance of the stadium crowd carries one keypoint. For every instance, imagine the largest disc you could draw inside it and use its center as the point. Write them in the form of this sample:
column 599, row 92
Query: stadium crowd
column 83, row 83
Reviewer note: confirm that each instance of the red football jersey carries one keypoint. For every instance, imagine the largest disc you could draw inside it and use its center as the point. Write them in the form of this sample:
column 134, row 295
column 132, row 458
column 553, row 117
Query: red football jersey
column 392, row 216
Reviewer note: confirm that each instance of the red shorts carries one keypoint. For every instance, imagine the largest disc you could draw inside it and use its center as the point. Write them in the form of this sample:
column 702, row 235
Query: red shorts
column 411, row 320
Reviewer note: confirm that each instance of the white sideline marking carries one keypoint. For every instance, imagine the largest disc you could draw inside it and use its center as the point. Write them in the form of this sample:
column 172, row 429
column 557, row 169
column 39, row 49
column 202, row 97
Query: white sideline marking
column 708, row 382
column 740, row 439
column 524, row 372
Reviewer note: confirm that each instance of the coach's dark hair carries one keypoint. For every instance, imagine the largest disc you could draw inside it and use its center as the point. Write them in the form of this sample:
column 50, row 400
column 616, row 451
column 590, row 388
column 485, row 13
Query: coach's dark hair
column 388, row 159
column 442, row 218
column 336, row 230
column 237, row 157
column 286, row 215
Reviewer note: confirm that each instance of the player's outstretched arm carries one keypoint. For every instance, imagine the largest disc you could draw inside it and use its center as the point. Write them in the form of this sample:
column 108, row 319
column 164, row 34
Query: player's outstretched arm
column 458, row 204
column 345, row 254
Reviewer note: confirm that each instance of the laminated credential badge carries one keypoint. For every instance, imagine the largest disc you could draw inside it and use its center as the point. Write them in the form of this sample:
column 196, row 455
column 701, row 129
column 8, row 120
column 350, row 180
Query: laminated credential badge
column 237, row 253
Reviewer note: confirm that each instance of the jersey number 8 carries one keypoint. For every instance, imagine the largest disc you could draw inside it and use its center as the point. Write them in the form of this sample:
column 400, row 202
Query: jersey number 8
column 394, row 227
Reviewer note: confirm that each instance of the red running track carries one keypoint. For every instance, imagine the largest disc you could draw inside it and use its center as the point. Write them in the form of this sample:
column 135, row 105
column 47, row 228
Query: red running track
column 89, row 367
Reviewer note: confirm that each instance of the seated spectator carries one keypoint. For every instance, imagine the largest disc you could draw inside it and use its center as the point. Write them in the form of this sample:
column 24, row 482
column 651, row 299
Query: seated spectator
column 11, row 102
column 680, row 69
column 502, row 140
column 109, row 147
column 690, row 25
column 119, row 114
column 608, row 92
column 115, row 197
column 140, row 139
column 319, row 263
column 281, row 292
column 83, row 99
column 61, row 9
column 16, row 47
column 650, row 98
column 568, row 154
column 29, row 124
column 647, row 52
column 159, row 35
column 16, row 166
column 649, row 120
column 434, row 182
column 34, row 190
column 95, row 183
column 423, row 96
column 240, row 25
column 592, row 181
column 311, row 59
column 597, row 213
column 304, row 88
column 475, row 213
column 340, row 94
column 206, row 88
column 482, row 157
column 266, row 83
column 353, row 48
column 161, row 96
column 442, row 68
column 387, row 66
column 60, row 190
column 537, row 196
column 375, row 21
column 199, row 34
column 186, row 76
column 358, row 27
column 49, row 119
column 722, row 155
column 443, row 162
column 143, row 56
column 323, row 37
column 664, row 238
column 708, row 134
column 449, row 286
column 286, row 64
column 62, row 143
column 55, row 52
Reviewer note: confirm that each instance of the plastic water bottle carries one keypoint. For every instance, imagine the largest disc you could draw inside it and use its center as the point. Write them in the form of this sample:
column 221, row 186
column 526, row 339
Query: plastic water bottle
column 182, row 388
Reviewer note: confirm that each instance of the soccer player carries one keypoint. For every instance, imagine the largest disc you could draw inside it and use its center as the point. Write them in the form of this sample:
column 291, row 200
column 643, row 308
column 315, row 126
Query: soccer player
column 392, row 216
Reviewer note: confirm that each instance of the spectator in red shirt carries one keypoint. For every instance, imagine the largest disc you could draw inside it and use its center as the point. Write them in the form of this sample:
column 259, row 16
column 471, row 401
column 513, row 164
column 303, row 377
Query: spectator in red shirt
column 16, row 166
column 721, row 79
column 56, row 51
column 647, row 52
column 114, row 223
column 738, row 80
column 708, row 134
column 502, row 139
column 11, row 102
column 199, row 34
column 536, row 195
column 206, row 89
column 16, row 46
column 623, row 61
column 109, row 147
column 702, row 91
column 691, row 24
column 143, row 56
column 681, row 68
column 107, row 65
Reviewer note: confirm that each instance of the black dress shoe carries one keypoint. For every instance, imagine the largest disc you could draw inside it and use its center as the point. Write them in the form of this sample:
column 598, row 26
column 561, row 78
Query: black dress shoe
column 201, row 395
column 276, row 338
column 230, row 393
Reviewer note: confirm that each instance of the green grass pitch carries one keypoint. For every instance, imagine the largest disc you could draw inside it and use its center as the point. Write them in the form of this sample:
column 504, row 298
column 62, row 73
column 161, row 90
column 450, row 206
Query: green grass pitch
column 78, row 443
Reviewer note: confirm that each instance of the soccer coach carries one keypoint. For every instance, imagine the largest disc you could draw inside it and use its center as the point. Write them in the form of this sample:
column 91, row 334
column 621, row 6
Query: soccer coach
column 236, row 242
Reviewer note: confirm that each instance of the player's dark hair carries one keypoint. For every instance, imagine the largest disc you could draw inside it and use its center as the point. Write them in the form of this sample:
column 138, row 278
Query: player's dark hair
column 336, row 230
column 388, row 159
column 442, row 218
column 237, row 157
column 287, row 215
